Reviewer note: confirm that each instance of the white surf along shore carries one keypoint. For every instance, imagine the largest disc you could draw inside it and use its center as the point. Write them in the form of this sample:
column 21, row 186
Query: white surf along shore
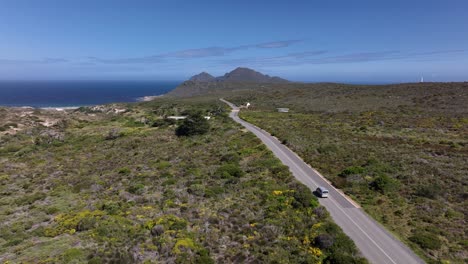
column 60, row 108
column 64, row 108
column 149, row 98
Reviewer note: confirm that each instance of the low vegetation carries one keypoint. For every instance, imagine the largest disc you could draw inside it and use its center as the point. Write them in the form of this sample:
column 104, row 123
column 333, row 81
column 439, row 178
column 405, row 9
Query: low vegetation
column 401, row 151
column 103, row 186
column 194, row 124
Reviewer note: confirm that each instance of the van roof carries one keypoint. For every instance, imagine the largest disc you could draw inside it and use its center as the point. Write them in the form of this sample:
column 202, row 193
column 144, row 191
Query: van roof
column 323, row 188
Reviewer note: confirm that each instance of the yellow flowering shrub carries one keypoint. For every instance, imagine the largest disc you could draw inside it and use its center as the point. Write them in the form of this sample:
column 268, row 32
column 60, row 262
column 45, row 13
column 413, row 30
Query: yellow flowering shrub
column 315, row 251
column 184, row 243
column 170, row 222
column 70, row 223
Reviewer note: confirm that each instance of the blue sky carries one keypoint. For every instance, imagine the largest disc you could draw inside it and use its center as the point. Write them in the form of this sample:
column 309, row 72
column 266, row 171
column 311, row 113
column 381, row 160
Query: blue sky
column 342, row 41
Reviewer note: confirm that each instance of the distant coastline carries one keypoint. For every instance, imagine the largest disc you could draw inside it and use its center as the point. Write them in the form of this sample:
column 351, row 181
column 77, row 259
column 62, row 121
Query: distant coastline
column 64, row 95
column 146, row 98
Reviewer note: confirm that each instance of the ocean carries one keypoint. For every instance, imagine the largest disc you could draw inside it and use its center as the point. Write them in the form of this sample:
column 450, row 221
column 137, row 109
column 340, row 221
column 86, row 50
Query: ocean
column 78, row 93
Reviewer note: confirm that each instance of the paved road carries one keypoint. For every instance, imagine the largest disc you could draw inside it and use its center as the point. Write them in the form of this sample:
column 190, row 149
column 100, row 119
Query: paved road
column 375, row 243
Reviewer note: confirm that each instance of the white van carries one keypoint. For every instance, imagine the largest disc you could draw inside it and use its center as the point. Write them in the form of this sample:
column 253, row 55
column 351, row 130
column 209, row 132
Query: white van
column 322, row 192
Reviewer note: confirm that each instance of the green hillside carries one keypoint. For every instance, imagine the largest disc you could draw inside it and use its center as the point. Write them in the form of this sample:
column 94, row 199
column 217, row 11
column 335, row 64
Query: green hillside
column 401, row 151
column 114, row 184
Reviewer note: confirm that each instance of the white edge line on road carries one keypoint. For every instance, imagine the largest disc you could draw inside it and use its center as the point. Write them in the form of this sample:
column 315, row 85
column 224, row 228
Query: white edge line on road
column 308, row 165
column 336, row 204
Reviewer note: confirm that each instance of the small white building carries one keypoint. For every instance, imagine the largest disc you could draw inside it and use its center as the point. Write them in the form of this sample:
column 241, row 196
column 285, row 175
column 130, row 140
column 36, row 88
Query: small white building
column 184, row 117
column 177, row 117
column 283, row 110
column 246, row 105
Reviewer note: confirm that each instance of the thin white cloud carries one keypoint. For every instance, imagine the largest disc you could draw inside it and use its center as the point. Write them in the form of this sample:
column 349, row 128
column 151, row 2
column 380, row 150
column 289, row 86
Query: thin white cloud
column 277, row 44
column 195, row 53
column 41, row 61
column 314, row 57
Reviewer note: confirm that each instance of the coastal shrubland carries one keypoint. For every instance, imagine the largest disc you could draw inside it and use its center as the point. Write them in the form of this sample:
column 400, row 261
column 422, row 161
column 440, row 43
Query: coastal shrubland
column 398, row 150
column 118, row 188
column 194, row 124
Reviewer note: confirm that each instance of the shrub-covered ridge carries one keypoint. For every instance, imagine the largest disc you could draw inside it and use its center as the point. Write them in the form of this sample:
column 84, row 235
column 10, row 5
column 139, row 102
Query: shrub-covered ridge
column 124, row 188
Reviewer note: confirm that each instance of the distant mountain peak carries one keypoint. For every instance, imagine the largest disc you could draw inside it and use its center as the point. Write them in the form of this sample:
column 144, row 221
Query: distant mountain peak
column 242, row 74
column 244, row 69
column 239, row 74
column 203, row 82
column 202, row 77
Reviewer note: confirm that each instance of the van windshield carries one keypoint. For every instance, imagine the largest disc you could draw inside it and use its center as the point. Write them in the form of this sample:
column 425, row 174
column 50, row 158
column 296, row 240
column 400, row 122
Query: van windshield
column 325, row 191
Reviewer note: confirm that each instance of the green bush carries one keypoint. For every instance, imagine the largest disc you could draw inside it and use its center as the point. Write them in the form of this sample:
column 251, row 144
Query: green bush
column 52, row 210
column 229, row 170
column 340, row 258
column 281, row 172
column 303, row 197
column 13, row 242
column 324, row 241
column 134, row 123
column 353, row 170
column 327, row 149
column 163, row 122
column 230, row 157
column 10, row 148
column 341, row 243
column 376, row 167
column 30, row 199
column 426, row 240
column 124, row 170
column 169, row 222
column 113, row 134
column 340, row 182
column 115, row 229
column 429, row 191
column 384, row 184
column 170, row 181
column 73, row 255
column 194, row 124
column 213, row 191
column 111, row 208
column 196, row 189
column 203, row 257
column 136, row 188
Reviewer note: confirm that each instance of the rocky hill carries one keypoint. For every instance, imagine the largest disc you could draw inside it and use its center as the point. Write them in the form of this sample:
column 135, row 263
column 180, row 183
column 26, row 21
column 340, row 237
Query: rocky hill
column 248, row 75
column 203, row 77
column 204, row 83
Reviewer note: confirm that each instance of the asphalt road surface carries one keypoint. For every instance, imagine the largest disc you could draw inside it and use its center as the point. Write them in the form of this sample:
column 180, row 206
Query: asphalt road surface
column 374, row 242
